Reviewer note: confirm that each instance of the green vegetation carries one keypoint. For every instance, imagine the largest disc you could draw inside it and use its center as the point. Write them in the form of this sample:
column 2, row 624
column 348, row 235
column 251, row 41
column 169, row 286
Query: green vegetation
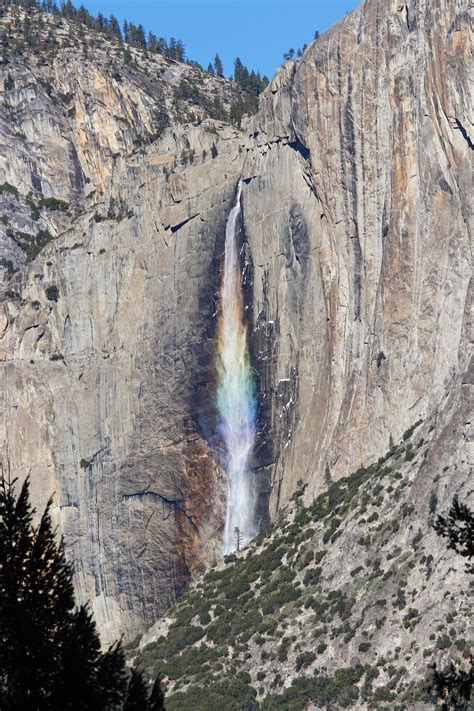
column 8, row 82
column 304, row 660
column 234, row 693
column 252, row 85
column 453, row 683
column 189, row 91
column 31, row 244
column 8, row 265
column 50, row 656
column 458, row 528
column 406, row 435
column 130, row 35
column 454, row 686
column 52, row 203
column 8, row 188
column 341, row 689
column 217, row 68
column 276, row 606
column 52, row 293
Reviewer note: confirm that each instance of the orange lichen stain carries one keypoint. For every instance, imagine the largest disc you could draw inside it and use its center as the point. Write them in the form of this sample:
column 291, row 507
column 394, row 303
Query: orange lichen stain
column 199, row 522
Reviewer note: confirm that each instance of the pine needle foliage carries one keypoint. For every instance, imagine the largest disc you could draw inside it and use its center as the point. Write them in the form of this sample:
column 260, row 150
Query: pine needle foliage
column 50, row 653
column 457, row 526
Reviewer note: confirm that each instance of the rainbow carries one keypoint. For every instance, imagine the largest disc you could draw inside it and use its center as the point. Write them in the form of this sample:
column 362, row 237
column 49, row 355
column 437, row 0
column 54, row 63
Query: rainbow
column 236, row 400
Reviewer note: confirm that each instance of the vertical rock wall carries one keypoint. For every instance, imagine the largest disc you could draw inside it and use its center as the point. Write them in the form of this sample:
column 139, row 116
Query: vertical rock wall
column 108, row 351
column 356, row 213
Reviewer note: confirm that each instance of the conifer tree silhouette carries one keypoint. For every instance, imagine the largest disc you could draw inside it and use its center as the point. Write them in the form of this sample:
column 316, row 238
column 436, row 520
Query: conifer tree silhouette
column 50, row 653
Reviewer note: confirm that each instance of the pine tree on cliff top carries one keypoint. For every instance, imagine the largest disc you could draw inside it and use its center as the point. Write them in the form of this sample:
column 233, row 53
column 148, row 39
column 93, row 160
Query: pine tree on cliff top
column 218, row 67
column 50, row 656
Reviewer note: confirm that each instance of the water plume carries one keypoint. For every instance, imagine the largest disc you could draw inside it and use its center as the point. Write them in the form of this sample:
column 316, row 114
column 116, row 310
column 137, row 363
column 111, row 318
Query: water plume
column 236, row 399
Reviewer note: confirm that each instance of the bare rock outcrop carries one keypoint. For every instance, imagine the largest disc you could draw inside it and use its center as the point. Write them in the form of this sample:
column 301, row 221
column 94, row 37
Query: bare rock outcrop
column 74, row 108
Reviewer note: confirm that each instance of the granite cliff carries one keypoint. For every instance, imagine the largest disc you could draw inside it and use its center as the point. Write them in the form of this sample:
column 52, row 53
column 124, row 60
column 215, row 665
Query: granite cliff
column 355, row 235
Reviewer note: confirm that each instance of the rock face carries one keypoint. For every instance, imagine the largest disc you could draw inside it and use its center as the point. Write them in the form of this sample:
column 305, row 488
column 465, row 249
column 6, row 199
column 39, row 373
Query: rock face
column 355, row 237
column 109, row 341
column 356, row 214
column 74, row 110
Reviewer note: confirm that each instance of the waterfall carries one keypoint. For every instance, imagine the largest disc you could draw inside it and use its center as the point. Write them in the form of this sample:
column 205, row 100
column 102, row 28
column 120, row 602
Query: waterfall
column 236, row 400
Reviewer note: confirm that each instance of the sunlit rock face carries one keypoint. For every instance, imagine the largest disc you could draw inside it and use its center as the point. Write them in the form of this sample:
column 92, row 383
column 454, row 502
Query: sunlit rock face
column 356, row 215
column 355, row 280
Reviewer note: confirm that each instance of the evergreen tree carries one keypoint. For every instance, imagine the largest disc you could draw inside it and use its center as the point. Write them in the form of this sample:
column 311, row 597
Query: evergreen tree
column 171, row 48
column 181, row 51
column 246, row 83
column 139, row 36
column 126, row 31
column 8, row 82
column 458, row 527
column 453, row 686
column 152, row 42
column 114, row 28
column 83, row 16
column 156, row 702
column 50, row 656
column 101, row 23
column 218, row 67
column 68, row 9
column 238, row 71
column 137, row 696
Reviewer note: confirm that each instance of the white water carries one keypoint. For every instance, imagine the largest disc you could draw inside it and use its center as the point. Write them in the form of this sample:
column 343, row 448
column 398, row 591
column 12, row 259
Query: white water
column 236, row 396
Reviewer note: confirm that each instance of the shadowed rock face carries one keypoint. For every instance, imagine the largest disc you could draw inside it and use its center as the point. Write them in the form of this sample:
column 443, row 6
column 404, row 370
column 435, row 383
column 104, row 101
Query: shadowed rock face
column 355, row 237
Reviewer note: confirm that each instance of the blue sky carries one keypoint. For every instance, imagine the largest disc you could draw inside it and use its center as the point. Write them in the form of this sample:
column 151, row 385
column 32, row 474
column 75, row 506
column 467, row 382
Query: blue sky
column 258, row 31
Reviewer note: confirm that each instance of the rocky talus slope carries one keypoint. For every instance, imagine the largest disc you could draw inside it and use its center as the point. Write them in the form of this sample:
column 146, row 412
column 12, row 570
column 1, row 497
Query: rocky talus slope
column 334, row 606
column 355, row 235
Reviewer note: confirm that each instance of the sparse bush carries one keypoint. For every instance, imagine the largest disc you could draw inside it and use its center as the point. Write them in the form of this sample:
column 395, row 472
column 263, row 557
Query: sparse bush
column 408, row 433
column 443, row 642
column 312, row 576
column 9, row 188
column 52, row 293
column 8, row 265
column 32, row 244
column 52, row 203
column 304, row 660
